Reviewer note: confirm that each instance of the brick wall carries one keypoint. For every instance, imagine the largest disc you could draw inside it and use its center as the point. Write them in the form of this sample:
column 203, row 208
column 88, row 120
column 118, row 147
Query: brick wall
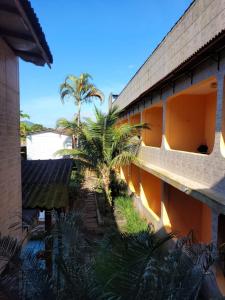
column 10, row 173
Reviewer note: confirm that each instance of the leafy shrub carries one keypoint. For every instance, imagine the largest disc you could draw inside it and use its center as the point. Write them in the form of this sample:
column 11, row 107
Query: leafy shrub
column 128, row 216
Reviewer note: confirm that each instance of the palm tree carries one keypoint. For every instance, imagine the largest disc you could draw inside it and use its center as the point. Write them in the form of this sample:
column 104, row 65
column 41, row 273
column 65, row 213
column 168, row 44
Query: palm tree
column 105, row 146
column 68, row 127
column 81, row 90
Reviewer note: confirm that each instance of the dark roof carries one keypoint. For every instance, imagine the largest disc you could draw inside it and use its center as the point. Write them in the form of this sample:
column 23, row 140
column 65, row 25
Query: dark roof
column 21, row 30
column 45, row 183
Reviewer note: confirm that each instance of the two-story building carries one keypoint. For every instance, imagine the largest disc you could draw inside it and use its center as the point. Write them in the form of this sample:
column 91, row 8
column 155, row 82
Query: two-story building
column 21, row 36
column 180, row 92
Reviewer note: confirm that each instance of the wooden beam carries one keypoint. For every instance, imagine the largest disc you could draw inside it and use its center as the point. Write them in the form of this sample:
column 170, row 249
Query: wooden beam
column 9, row 9
column 30, row 56
column 14, row 34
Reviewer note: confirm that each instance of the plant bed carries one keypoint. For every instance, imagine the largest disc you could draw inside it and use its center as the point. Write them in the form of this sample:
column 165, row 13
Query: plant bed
column 127, row 218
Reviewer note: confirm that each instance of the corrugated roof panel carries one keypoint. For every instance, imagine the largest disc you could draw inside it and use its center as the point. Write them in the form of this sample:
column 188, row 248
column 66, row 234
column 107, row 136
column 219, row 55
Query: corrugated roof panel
column 45, row 183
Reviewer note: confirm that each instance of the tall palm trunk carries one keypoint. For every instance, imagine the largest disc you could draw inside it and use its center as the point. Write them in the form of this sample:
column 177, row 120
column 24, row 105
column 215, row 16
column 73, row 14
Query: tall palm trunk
column 73, row 141
column 105, row 172
column 78, row 120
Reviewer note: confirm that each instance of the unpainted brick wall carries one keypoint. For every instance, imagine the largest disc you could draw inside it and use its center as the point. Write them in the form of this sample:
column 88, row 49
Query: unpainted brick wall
column 10, row 166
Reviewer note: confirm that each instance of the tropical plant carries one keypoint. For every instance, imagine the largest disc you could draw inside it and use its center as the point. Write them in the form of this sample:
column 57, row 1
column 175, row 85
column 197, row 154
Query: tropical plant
column 25, row 128
column 24, row 115
column 138, row 266
column 68, row 127
column 105, row 146
column 81, row 90
column 118, row 266
column 128, row 219
column 37, row 127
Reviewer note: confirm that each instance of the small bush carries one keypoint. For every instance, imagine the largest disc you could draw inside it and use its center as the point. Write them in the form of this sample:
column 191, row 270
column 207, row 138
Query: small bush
column 117, row 185
column 76, row 179
column 128, row 217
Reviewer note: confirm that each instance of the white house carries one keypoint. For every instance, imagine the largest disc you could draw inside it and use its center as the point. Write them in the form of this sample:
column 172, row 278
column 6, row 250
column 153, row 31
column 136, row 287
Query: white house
column 43, row 145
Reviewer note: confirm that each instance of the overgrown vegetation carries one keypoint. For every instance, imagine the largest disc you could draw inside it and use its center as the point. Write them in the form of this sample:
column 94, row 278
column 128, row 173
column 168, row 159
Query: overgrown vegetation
column 104, row 146
column 121, row 266
column 128, row 219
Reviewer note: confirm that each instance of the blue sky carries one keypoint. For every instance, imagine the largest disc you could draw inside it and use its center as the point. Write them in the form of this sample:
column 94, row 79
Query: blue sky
column 109, row 39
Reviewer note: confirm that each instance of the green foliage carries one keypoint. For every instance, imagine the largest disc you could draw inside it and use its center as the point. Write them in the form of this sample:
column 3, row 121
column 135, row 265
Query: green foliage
column 120, row 266
column 131, row 222
column 117, row 185
column 134, row 267
column 104, row 146
column 77, row 178
column 37, row 127
column 27, row 128
column 66, row 126
column 80, row 90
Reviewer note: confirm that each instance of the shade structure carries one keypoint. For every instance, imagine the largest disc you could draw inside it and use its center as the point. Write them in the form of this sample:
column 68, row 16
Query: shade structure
column 45, row 183
column 21, row 30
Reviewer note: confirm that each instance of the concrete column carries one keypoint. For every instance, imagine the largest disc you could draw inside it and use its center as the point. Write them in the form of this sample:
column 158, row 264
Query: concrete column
column 164, row 142
column 214, row 226
column 164, row 201
column 219, row 112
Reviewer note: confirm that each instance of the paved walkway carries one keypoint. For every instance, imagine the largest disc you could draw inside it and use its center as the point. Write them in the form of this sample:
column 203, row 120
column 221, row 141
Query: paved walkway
column 89, row 209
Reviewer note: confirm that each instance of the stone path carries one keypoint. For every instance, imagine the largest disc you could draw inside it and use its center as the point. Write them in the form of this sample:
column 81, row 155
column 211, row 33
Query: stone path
column 89, row 210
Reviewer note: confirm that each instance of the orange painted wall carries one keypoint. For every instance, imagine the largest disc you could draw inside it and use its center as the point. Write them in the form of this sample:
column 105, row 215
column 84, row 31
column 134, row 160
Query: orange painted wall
column 135, row 119
column 190, row 121
column 151, row 187
column 125, row 173
column 186, row 213
column 154, row 118
column 121, row 122
column 135, row 179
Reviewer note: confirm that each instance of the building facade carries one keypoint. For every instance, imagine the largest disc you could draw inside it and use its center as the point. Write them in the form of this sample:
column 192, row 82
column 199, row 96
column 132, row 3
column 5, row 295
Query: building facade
column 180, row 93
column 21, row 36
column 44, row 145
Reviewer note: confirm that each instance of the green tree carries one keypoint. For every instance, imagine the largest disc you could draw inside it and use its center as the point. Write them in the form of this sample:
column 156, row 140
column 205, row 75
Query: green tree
column 68, row 127
column 25, row 128
column 105, row 146
column 37, row 127
column 81, row 90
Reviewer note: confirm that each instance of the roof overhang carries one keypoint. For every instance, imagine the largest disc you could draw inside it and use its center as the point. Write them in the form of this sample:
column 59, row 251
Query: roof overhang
column 20, row 29
column 45, row 183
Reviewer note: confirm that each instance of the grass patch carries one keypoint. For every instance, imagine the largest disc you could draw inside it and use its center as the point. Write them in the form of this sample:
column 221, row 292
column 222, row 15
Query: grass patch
column 127, row 217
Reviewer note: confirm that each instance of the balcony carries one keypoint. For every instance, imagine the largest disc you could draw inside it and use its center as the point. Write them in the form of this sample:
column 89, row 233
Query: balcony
column 191, row 118
column 154, row 118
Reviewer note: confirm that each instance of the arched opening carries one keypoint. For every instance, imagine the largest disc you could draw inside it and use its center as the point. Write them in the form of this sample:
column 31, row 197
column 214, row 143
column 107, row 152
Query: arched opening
column 125, row 173
column 186, row 214
column 154, row 118
column 134, row 180
column 191, row 118
column 151, row 192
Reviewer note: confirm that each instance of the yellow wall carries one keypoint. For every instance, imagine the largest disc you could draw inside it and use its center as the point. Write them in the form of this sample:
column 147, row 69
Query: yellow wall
column 186, row 213
column 134, row 180
column 124, row 172
column 190, row 121
column 154, row 118
column 151, row 192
